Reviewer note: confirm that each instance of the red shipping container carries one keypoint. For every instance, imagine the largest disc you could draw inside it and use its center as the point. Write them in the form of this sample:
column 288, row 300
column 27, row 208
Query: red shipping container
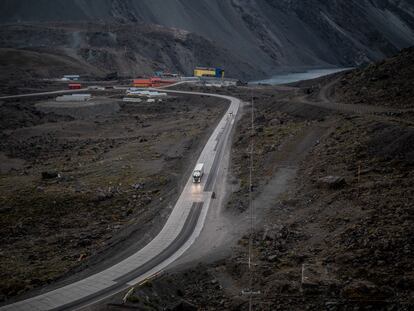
column 75, row 86
column 153, row 82
column 157, row 82
column 142, row 82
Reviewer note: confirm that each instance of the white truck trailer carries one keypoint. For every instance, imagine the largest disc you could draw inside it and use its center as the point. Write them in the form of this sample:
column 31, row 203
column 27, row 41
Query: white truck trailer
column 198, row 173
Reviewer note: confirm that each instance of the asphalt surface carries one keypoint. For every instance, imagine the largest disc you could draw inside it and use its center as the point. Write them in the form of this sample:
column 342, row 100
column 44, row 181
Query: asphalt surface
column 181, row 230
column 44, row 94
column 122, row 282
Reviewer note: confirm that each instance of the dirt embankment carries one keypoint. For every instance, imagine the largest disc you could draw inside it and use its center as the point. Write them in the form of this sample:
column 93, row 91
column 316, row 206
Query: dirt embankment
column 75, row 189
column 386, row 84
column 342, row 237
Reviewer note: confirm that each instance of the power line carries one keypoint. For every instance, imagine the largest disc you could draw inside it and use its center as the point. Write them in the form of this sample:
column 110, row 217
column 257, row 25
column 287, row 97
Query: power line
column 250, row 292
column 252, row 213
column 251, row 185
column 251, row 209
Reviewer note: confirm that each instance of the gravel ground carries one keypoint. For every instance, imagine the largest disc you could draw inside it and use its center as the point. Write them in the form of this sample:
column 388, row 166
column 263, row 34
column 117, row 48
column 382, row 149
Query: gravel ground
column 340, row 234
column 76, row 189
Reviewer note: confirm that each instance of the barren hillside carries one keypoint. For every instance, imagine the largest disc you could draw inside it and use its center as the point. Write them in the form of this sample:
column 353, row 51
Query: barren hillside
column 388, row 83
column 96, row 49
column 279, row 34
column 332, row 199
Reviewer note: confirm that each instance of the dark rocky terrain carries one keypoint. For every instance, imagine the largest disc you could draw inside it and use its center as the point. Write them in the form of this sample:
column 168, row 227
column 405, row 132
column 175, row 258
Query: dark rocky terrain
column 340, row 237
column 332, row 186
column 33, row 51
column 280, row 34
column 74, row 188
column 387, row 83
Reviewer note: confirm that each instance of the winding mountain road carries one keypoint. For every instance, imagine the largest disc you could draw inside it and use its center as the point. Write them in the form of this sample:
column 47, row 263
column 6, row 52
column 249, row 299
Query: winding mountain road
column 179, row 233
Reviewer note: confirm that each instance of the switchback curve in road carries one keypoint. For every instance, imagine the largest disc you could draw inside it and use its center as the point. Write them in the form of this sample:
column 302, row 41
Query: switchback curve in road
column 178, row 234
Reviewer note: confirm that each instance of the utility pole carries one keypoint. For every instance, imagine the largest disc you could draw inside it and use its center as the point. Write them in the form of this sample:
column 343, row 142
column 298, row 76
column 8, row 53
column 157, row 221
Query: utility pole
column 251, row 185
column 250, row 291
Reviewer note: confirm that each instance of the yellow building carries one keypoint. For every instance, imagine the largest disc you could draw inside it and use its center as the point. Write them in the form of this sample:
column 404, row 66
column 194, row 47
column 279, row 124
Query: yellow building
column 208, row 72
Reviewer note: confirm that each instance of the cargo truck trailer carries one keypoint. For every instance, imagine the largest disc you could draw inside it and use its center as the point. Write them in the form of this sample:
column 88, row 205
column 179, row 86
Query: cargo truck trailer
column 198, row 173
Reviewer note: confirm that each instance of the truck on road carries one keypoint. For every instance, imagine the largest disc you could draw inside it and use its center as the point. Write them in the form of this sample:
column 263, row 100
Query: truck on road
column 198, row 173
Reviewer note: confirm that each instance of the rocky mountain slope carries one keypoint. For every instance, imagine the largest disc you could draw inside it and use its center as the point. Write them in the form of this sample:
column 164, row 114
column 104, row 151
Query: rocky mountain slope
column 279, row 34
column 339, row 234
column 388, row 83
column 52, row 49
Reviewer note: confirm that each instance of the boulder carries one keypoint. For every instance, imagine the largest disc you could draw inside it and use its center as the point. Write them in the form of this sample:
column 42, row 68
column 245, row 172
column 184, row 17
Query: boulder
column 272, row 258
column 358, row 289
column 332, row 182
column 5, row 209
column 260, row 119
column 50, row 175
column 138, row 186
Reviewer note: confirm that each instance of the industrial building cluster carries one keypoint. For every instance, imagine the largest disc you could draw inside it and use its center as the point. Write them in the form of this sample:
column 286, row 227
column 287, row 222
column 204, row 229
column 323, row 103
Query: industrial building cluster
column 160, row 78
column 163, row 79
column 139, row 89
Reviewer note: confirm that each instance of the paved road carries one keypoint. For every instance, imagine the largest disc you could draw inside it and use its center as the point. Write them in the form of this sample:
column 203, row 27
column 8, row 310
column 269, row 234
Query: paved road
column 44, row 94
column 77, row 91
column 179, row 233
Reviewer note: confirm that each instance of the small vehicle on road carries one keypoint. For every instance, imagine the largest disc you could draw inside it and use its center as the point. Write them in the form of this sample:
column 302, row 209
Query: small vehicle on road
column 198, row 173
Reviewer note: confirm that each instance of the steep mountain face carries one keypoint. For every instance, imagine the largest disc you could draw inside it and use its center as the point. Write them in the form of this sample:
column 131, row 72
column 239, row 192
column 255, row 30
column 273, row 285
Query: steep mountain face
column 53, row 49
column 268, row 34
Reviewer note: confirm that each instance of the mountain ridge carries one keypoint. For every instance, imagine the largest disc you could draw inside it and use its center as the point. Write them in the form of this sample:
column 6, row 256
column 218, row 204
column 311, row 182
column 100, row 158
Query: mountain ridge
column 270, row 35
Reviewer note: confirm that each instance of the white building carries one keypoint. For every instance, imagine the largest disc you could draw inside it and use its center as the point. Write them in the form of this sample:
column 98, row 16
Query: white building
column 74, row 98
column 71, row 78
